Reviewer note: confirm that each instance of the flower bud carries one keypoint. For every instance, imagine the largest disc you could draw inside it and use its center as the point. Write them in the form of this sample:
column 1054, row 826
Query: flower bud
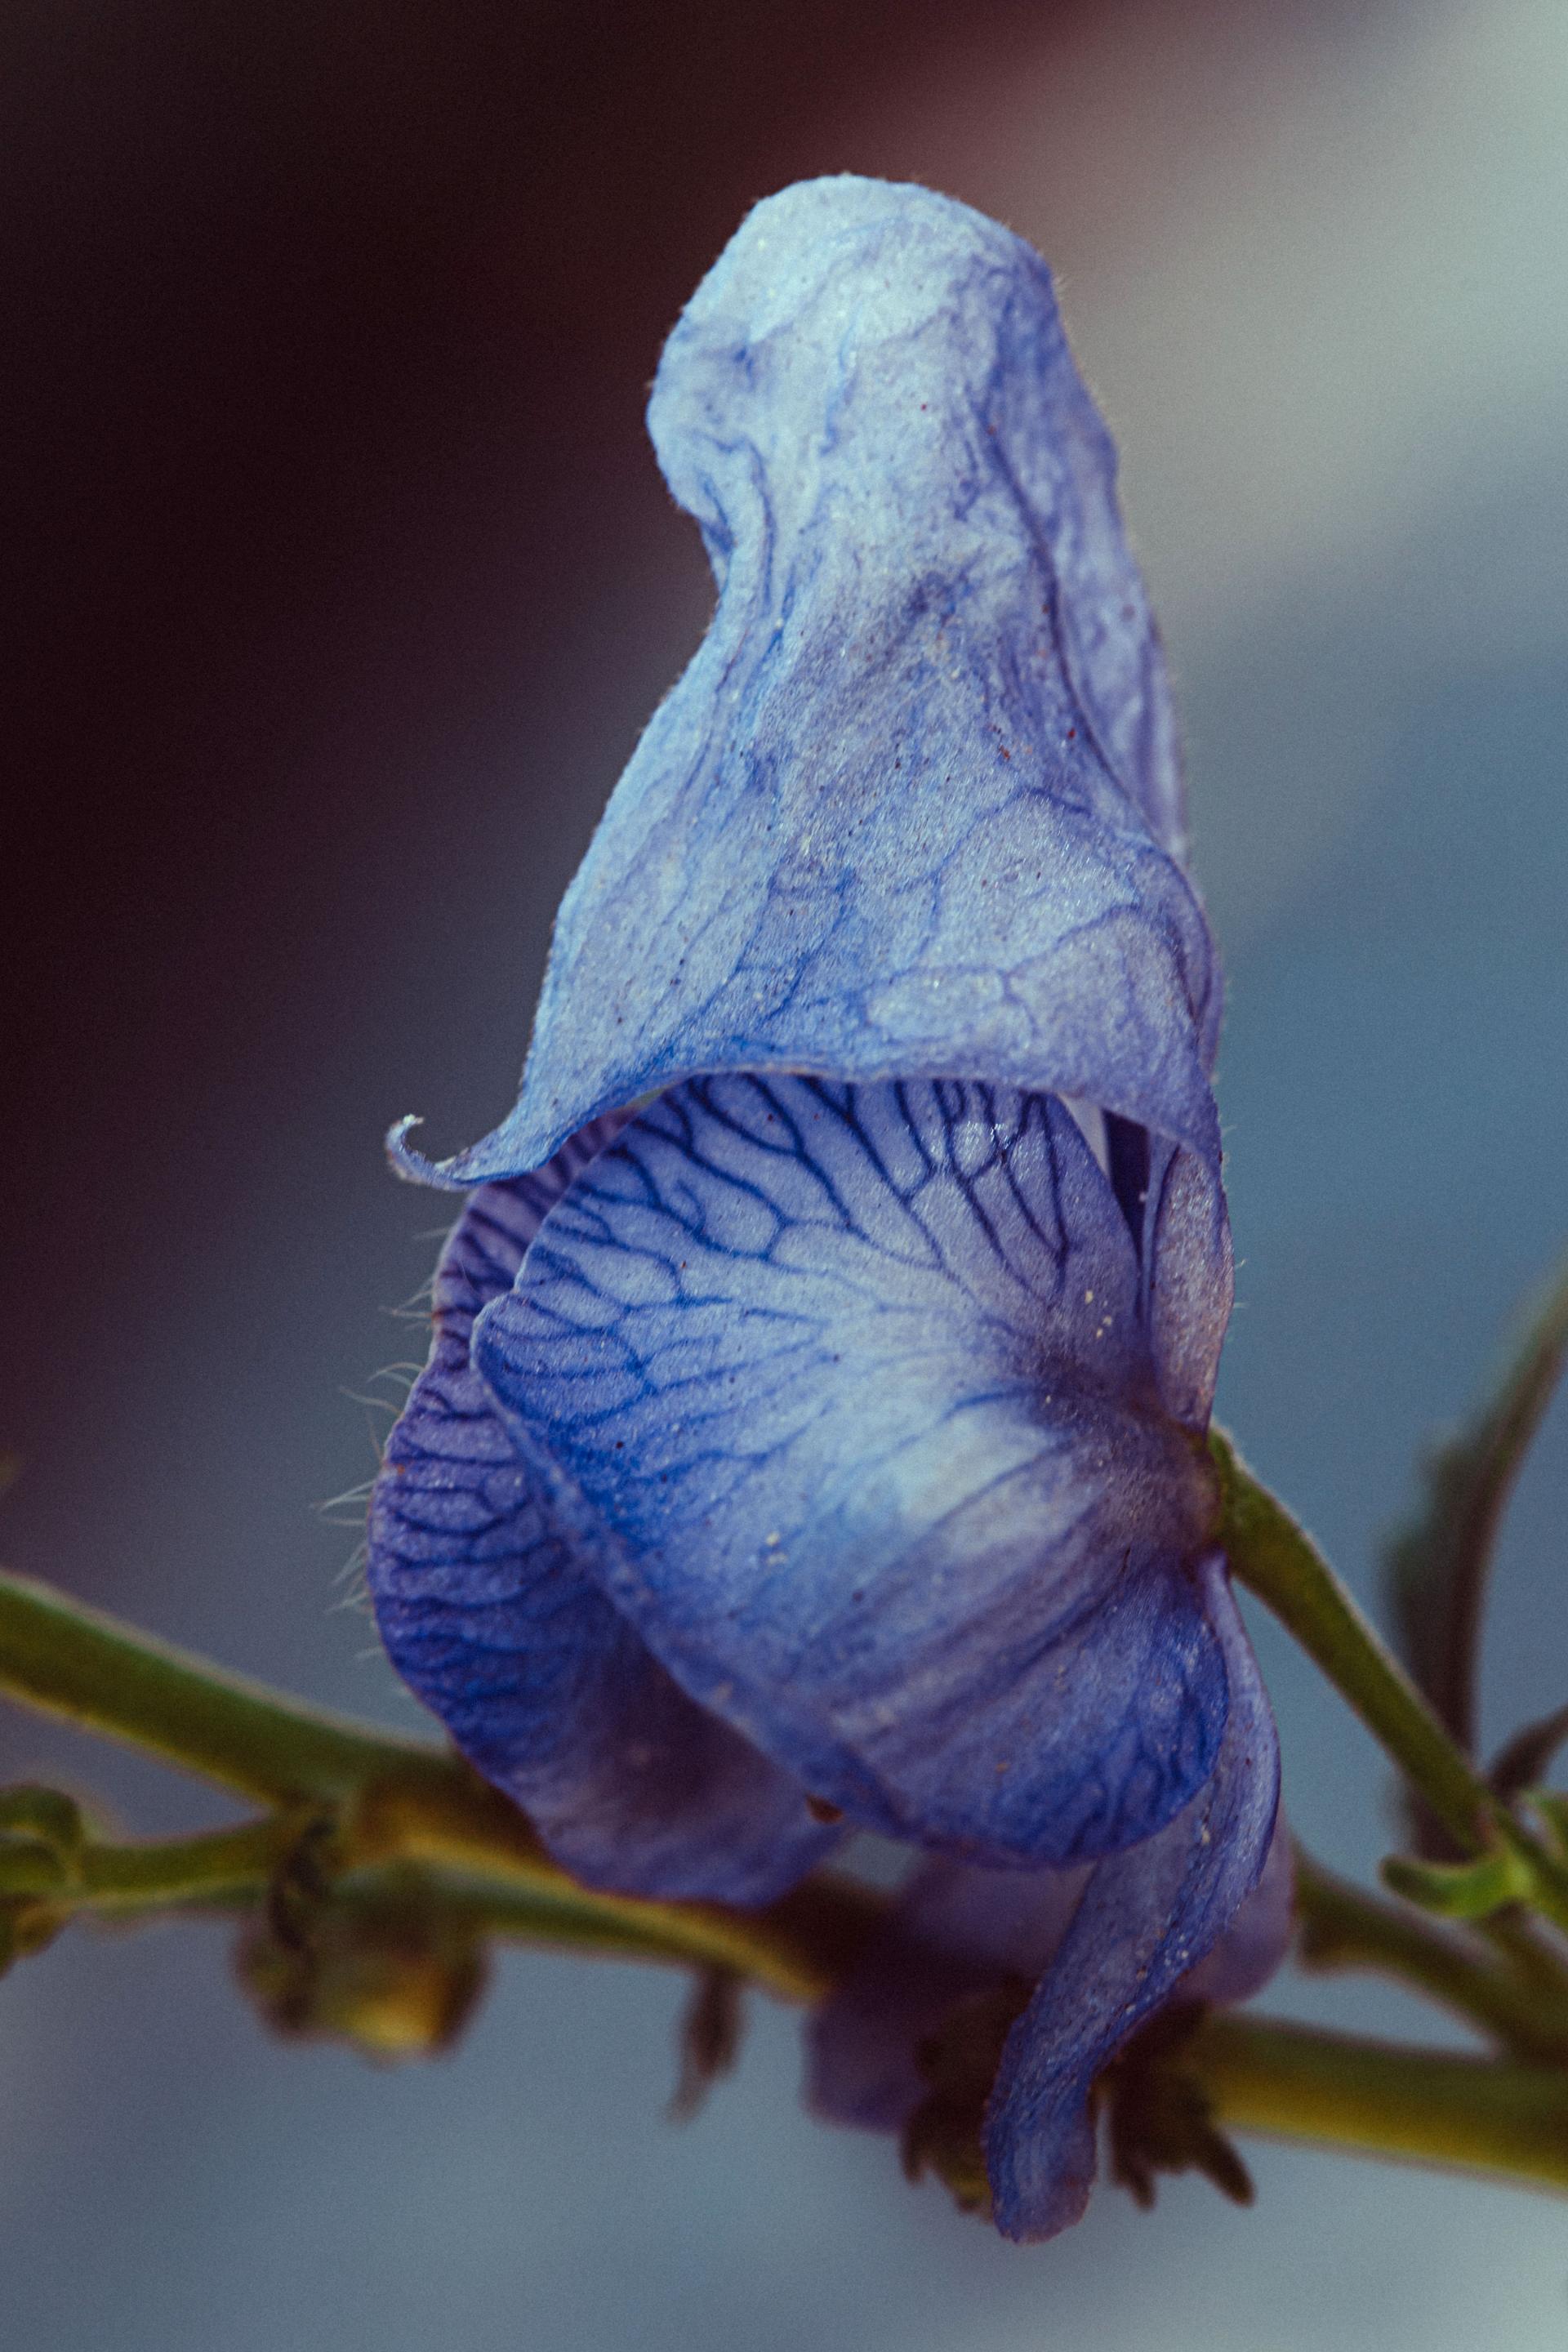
column 390, row 1975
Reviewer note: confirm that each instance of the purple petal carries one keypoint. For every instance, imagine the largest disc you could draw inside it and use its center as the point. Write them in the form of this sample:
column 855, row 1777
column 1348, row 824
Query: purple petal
column 914, row 806
column 955, row 1930
column 1147, row 1918
column 488, row 1614
column 1257, row 1940
column 848, row 1399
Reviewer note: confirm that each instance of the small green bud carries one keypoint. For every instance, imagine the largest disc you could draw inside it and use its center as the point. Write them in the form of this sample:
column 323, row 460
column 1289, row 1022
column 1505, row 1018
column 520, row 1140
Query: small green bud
column 41, row 1835
column 47, row 1815
column 1465, row 1890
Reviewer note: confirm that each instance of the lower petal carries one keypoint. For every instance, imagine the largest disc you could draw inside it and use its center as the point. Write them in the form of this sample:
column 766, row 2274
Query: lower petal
column 955, row 1930
column 487, row 1613
column 846, row 1395
column 1147, row 1918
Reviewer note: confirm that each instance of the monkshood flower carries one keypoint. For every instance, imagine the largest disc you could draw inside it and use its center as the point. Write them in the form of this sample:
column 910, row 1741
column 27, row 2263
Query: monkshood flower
column 814, row 1424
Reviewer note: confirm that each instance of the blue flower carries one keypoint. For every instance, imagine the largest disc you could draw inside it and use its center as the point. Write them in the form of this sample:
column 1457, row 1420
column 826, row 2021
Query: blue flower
column 823, row 1357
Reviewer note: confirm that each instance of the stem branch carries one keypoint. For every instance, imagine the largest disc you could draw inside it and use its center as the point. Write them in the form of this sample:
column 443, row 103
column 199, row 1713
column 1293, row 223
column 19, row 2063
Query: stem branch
column 379, row 1810
column 391, row 1801
column 1419, row 2107
column 1345, row 1928
column 68, row 1660
column 1276, row 1559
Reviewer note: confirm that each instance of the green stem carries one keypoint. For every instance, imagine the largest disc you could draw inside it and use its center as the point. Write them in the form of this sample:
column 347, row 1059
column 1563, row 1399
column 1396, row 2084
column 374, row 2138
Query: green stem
column 231, row 1868
column 1277, row 1560
column 379, row 1812
column 1341, row 1926
column 1418, row 2106
column 1441, row 1563
column 70, row 1660
column 389, row 1801
column 797, row 1949
column 1332, row 2090
column 1275, row 1557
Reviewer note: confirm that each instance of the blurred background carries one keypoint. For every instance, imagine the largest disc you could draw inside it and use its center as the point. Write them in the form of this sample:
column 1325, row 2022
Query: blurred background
column 344, row 580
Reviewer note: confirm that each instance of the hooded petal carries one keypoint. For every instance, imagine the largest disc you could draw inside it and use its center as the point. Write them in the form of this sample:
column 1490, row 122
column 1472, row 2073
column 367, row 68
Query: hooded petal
column 913, row 807
column 1146, row 1919
column 539, row 1678
column 845, row 1395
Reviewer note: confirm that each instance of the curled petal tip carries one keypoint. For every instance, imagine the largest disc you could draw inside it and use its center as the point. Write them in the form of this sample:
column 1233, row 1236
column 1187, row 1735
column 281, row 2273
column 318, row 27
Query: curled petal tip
column 413, row 1166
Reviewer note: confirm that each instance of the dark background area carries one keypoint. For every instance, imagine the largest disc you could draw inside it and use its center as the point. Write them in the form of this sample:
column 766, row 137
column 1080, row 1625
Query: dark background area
column 343, row 579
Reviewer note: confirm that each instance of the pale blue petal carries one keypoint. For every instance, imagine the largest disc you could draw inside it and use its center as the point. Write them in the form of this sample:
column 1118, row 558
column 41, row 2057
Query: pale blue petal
column 1147, row 1918
column 487, row 1612
column 1188, row 1281
column 1174, row 1206
column 850, row 1402
column 912, row 808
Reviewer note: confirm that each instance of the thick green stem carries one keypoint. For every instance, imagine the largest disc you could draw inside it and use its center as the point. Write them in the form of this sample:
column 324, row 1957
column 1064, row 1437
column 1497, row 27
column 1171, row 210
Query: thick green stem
column 1418, row 2106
